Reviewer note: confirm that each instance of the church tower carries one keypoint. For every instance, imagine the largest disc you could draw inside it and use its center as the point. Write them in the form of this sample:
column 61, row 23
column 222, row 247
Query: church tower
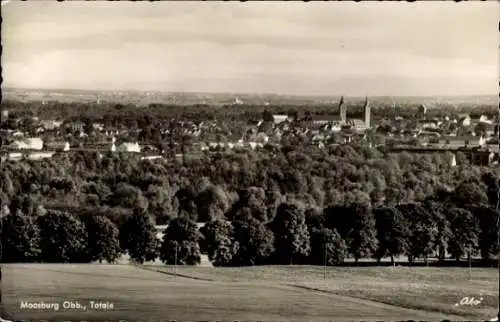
column 342, row 111
column 367, row 113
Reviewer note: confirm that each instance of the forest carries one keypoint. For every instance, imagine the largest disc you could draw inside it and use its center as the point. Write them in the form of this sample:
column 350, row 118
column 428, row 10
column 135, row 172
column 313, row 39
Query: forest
column 296, row 206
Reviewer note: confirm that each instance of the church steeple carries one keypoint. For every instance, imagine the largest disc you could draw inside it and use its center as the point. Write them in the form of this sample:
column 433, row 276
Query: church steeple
column 342, row 110
column 367, row 112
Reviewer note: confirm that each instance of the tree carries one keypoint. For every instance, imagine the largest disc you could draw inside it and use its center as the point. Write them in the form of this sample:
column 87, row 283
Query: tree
column 482, row 128
column 160, row 202
column 469, row 192
column 63, row 238
column 212, row 202
column 465, row 233
column 226, row 249
column 127, row 196
column 492, row 187
column 182, row 252
column 185, row 199
column 443, row 233
column 337, row 217
column 180, row 243
column 423, row 230
column 103, row 238
column 20, row 238
column 488, row 230
column 362, row 236
column 291, row 241
column 326, row 244
column 254, row 242
column 217, row 241
column 392, row 233
column 138, row 237
column 250, row 205
column 314, row 218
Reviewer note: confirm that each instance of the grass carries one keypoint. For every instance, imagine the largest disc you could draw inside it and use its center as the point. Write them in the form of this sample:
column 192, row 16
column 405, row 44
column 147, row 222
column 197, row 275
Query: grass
column 265, row 293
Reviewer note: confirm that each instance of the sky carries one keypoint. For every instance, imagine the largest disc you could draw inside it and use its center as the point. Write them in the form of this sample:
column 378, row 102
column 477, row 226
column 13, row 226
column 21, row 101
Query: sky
column 315, row 48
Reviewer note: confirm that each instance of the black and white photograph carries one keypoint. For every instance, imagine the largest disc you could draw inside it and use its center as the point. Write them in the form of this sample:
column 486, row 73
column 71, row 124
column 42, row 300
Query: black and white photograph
column 249, row 161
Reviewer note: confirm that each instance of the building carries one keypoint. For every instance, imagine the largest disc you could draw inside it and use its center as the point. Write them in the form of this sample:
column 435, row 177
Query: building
column 335, row 123
column 462, row 141
column 57, row 146
column 39, row 155
column 361, row 125
column 152, row 157
column 15, row 156
column 98, row 126
column 27, row 144
column 464, row 120
column 335, row 127
column 484, row 119
column 127, row 147
column 322, row 120
column 76, row 126
column 277, row 119
column 429, row 125
column 357, row 125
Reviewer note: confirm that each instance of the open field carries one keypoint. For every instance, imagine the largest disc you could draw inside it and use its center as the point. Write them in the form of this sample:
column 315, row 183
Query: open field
column 266, row 293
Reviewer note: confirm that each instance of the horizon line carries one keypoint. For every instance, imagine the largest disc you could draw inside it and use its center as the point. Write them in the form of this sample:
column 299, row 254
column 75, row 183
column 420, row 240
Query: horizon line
column 4, row 87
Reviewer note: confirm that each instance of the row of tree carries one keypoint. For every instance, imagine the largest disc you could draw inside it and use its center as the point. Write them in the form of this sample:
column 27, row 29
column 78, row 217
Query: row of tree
column 246, row 235
column 128, row 114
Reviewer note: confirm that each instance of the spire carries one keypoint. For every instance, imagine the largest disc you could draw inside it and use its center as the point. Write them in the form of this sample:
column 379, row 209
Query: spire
column 367, row 112
column 342, row 110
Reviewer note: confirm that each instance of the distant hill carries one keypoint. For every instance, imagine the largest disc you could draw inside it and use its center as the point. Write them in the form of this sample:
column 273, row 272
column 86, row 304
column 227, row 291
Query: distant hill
column 147, row 97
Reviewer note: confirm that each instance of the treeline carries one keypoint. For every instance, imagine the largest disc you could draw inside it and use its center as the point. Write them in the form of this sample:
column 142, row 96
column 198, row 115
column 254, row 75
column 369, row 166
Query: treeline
column 112, row 114
column 246, row 235
column 289, row 206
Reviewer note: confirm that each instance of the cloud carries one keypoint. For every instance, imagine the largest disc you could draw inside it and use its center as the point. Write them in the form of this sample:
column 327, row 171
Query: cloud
column 286, row 47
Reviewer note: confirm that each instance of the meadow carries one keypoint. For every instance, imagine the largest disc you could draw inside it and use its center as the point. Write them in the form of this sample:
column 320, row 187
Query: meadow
column 291, row 293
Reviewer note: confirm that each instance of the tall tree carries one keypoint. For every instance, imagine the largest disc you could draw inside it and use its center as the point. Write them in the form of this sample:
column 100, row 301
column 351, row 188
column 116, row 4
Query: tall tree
column 212, row 202
column 362, row 236
column 63, row 238
column 255, row 242
column 185, row 199
column 250, row 205
column 488, row 230
column 443, row 234
column 465, row 233
column 392, row 233
column 20, row 237
column 225, row 251
column 138, row 237
column 423, row 230
column 469, row 192
column 291, row 241
column 217, row 240
column 180, row 243
column 492, row 187
column 103, row 238
column 327, row 247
